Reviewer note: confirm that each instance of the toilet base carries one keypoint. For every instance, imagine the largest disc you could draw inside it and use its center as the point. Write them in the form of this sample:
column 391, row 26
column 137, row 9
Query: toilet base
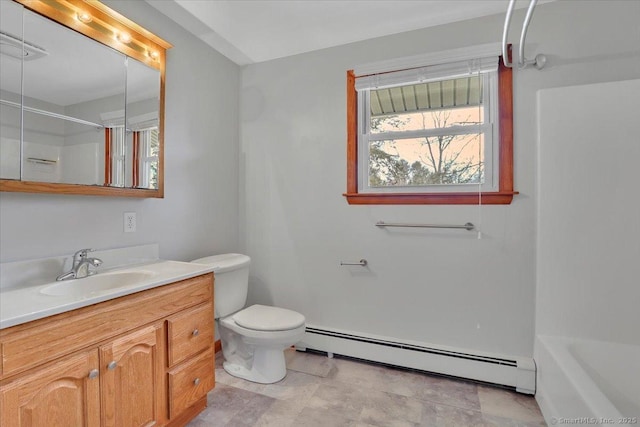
column 268, row 367
column 253, row 348
column 258, row 358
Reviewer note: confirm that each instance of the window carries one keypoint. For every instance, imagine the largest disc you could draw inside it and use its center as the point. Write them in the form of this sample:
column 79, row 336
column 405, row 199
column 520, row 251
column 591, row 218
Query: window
column 115, row 156
column 437, row 134
column 148, row 148
column 139, row 157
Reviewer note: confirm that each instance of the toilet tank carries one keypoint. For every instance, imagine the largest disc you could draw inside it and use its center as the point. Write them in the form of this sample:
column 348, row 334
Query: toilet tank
column 231, row 273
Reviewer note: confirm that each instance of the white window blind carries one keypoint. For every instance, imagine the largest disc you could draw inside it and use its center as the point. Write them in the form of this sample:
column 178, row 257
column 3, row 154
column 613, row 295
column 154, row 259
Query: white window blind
column 428, row 73
column 433, row 58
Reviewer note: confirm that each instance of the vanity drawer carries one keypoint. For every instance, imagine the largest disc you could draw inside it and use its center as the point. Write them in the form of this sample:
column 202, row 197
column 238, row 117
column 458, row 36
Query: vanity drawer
column 190, row 382
column 190, row 332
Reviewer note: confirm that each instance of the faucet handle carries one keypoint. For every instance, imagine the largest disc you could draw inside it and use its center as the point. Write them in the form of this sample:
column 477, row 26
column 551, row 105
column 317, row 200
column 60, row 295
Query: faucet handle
column 82, row 253
column 96, row 262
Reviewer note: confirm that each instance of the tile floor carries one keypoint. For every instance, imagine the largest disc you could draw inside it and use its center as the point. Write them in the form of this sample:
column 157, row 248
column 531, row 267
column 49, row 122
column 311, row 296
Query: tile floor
column 323, row 392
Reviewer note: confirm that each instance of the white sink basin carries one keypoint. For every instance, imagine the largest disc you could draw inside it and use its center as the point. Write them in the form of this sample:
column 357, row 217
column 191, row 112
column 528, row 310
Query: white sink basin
column 26, row 301
column 95, row 285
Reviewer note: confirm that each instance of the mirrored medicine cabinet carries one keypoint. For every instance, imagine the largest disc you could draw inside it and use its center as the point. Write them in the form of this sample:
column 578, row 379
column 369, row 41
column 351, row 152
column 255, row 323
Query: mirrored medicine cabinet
column 81, row 101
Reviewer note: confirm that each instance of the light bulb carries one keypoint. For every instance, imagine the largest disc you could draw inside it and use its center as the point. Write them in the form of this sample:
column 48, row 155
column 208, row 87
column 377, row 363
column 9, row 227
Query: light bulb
column 84, row 17
column 123, row 37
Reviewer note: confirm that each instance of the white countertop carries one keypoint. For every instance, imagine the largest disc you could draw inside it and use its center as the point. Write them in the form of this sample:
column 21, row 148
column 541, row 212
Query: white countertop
column 23, row 304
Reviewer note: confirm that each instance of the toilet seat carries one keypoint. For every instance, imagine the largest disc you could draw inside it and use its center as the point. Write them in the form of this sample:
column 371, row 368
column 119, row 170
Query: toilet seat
column 263, row 337
column 265, row 318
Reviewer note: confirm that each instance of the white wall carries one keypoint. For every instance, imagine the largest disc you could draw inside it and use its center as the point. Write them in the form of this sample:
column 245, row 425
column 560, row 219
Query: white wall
column 588, row 222
column 198, row 215
column 82, row 163
column 443, row 287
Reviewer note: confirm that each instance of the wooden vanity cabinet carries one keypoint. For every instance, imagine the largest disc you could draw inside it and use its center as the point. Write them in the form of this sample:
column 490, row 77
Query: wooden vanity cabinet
column 70, row 384
column 139, row 360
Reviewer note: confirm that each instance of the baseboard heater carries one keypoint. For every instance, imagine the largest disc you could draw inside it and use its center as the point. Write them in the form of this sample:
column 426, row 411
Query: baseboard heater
column 516, row 372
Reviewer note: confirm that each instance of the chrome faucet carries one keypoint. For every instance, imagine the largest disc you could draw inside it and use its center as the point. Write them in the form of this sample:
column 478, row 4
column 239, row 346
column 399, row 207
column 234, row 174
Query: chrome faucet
column 81, row 264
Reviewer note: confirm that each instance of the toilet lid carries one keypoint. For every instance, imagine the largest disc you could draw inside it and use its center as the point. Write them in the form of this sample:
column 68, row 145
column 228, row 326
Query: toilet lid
column 265, row 318
column 225, row 262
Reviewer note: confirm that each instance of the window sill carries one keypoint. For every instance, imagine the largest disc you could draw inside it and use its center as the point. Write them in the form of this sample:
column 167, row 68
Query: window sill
column 495, row 198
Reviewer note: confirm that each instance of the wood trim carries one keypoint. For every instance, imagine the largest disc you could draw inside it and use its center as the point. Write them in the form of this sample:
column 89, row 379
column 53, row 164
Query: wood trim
column 505, row 117
column 130, row 24
column 217, row 346
column 352, row 133
column 503, row 196
column 498, row 198
column 161, row 117
column 108, row 164
column 75, row 189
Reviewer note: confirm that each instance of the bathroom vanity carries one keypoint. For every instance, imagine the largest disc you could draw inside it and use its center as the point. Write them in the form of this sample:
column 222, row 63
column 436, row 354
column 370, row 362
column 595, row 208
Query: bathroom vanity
column 138, row 359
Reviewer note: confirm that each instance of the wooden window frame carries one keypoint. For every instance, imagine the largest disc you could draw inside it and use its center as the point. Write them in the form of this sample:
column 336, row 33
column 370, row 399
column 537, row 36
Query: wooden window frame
column 108, row 168
column 108, row 158
column 505, row 192
column 136, row 160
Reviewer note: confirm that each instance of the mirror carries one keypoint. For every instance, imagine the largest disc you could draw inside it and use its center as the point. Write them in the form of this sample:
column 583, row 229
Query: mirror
column 10, row 88
column 143, row 87
column 79, row 114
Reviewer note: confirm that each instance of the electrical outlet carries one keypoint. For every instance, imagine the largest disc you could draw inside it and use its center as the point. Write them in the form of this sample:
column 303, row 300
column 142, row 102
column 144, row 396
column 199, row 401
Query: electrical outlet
column 129, row 222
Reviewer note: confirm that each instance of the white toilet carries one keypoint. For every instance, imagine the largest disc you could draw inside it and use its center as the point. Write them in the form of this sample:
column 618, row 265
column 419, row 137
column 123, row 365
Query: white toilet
column 253, row 338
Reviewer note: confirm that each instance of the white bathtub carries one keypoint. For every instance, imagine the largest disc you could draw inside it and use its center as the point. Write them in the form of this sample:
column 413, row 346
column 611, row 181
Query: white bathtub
column 587, row 380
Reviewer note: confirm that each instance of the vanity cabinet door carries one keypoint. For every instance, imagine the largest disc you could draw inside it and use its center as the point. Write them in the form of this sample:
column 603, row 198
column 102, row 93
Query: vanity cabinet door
column 65, row 393
column 132, row 379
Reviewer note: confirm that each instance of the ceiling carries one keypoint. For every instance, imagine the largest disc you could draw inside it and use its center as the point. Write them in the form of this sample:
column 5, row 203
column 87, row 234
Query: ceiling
column 250, row 31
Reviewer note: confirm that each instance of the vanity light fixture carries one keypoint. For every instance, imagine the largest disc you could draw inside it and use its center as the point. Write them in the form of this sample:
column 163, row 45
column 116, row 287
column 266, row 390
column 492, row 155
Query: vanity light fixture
column 84, row 17
column 95, row 20
column 123, row 37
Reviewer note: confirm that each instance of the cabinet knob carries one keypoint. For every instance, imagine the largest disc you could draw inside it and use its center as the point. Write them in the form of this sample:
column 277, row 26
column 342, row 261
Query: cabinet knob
column 195, row 332
column 93, row 374
column 196, row 381
column 113, row 365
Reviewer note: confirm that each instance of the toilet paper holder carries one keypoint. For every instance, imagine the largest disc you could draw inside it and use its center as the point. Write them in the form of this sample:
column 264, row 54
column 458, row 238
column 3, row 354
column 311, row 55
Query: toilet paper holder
column 362, row 263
